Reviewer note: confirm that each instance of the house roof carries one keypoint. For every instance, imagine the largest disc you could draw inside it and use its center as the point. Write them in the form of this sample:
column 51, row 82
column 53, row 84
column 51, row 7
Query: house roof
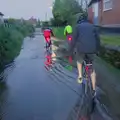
column 1, row 14
column 92, row 2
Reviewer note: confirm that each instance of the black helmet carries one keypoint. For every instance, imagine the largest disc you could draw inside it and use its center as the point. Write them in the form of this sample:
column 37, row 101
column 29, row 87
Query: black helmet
column 82, row 17
column 67, row 23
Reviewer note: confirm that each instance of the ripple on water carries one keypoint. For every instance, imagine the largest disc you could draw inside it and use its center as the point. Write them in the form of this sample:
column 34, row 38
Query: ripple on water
column 8, row 69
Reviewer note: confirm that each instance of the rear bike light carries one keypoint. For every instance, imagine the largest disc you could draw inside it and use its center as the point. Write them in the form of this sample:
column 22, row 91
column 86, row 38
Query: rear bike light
column 69, row 38
column 87, row 68
column 48, row 39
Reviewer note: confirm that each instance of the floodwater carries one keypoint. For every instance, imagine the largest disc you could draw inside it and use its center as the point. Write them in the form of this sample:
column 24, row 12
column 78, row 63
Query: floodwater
column 29, row 92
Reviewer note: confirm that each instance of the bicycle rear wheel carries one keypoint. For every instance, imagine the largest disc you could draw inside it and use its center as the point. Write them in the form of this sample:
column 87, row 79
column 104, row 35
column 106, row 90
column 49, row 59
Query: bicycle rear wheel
column 85, row 81
column 87, row 88
column 90, row 70
column 90, row 91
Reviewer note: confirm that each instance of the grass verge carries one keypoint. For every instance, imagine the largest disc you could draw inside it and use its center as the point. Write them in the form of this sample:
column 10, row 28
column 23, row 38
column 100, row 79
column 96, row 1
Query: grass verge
column 105, row 39
column 59, row 33
column 110, row 39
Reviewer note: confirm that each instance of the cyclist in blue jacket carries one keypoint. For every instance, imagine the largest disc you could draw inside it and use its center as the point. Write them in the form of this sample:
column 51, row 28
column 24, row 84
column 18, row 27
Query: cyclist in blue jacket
column 86, row 41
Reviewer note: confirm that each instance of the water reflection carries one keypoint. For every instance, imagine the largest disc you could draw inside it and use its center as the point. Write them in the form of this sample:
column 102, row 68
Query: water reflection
column 7, row 70
column 83, row 109
column 3, row 98
column 4, row 88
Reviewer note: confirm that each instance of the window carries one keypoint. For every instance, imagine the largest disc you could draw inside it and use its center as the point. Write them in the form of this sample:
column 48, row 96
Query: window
column 107, row 5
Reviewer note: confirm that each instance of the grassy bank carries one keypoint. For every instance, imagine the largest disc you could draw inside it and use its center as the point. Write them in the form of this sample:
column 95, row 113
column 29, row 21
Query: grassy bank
column 110, row 39
column 105, row 39
column 11, row 38
column 59, row 33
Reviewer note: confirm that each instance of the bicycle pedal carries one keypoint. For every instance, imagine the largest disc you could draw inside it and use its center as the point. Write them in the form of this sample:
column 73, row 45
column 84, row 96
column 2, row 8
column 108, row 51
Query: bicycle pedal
column 80, row 81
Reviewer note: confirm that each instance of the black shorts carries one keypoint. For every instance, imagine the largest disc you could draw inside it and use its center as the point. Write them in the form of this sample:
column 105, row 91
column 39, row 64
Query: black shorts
column 80, row 57
column 48, row 44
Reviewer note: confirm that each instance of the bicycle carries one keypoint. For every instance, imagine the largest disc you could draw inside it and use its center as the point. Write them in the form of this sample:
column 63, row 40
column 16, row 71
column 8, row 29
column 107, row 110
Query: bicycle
column 48, row 44
column 48, row 47
column 87, row 101
column 49, row 60
column 87, row 69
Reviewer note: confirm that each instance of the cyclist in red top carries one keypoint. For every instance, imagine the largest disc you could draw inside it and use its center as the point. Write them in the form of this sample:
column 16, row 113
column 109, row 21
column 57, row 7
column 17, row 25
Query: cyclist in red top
column 47, row 35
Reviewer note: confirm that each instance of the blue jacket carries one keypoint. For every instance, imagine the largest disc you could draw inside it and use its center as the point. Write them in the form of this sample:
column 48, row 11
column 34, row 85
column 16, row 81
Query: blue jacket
column 85, row 38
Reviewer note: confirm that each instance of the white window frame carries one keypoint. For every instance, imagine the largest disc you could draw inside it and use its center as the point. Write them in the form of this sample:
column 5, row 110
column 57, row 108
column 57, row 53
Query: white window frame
column 106, row 9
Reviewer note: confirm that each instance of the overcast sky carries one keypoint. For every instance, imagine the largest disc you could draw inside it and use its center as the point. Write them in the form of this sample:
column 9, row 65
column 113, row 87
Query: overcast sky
column 26, row 8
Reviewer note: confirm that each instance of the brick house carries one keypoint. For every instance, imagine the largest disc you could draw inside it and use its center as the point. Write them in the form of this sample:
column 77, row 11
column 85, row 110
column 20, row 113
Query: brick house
column 33, row 21
column 104, row 12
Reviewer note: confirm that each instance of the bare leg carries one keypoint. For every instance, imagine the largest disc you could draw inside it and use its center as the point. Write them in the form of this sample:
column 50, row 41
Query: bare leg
column 53, row 56
column 93, row 78
column 79, row 66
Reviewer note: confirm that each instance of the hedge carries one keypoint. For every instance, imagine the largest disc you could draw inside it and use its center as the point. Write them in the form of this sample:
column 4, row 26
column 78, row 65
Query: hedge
column 11, row 37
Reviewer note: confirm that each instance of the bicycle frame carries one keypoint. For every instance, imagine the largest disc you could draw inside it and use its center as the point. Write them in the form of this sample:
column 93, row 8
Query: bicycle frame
column 49, row 62
column 87, row 68
column 86, row 108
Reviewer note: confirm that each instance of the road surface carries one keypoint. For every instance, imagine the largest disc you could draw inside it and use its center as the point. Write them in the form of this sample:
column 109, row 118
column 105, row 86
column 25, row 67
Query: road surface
column 32, row 93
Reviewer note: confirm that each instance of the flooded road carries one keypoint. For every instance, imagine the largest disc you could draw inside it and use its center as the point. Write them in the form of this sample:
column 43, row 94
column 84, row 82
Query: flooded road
column 32, row 93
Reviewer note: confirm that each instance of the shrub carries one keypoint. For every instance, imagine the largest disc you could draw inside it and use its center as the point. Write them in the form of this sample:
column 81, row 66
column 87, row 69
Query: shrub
column 11, row 40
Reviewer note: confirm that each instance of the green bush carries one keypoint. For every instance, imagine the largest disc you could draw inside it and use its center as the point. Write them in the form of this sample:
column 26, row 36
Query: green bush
column 59, row 32
column 11, row 40
column 112, row 56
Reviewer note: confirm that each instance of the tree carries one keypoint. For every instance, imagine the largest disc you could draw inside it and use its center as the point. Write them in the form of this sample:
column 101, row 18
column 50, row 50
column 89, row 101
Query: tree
column 64, row 10
column 38, row 23
column 57, row 11
column 84, row 4
column 45, row 23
